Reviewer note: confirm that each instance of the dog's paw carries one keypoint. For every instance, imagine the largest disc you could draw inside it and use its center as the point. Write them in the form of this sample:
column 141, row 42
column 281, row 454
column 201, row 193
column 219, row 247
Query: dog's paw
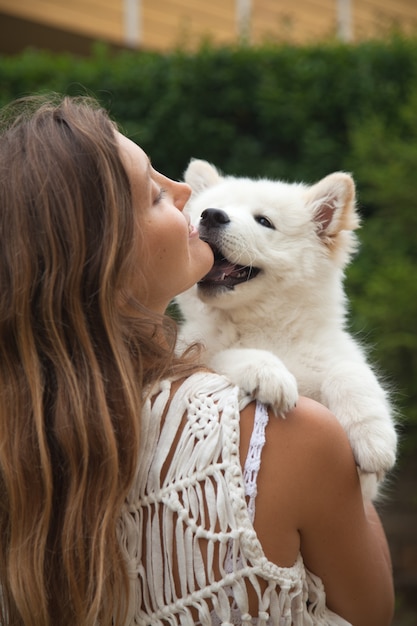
column 276, row 388
column 374, row 445
column 261, row 376
column 370, row 484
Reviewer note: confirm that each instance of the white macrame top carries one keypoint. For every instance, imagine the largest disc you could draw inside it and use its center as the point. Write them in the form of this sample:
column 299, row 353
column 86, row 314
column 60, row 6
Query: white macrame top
column 186, row 530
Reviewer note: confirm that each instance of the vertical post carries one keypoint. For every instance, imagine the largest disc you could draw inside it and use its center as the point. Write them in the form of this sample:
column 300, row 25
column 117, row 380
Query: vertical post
column 243, row 18
column 132, row 23
column 344, row 20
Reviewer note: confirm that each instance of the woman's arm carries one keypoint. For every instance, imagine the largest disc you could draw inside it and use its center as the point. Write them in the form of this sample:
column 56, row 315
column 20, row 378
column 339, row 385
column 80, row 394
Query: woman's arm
column 309, row 499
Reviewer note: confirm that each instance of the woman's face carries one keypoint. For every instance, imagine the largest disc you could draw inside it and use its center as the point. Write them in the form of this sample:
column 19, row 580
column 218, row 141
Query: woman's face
column 174, row 257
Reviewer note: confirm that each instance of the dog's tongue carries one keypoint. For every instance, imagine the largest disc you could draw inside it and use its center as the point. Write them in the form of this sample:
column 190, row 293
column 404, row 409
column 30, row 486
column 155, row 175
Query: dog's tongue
column 219, row 270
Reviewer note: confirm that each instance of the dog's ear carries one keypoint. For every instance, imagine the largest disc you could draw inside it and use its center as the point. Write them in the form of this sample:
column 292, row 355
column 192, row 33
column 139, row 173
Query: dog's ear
column 200, row 175
column 332, row 202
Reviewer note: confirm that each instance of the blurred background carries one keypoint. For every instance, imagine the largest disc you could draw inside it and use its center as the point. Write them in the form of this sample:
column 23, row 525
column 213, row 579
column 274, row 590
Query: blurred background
column 291, row 90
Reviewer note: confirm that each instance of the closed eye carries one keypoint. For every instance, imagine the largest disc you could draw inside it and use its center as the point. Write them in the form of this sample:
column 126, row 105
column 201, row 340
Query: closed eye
column 160, row 195
column 264, row 221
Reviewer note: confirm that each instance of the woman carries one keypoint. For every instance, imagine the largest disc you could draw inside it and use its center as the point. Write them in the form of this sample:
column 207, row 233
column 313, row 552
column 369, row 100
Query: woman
column 123, row 498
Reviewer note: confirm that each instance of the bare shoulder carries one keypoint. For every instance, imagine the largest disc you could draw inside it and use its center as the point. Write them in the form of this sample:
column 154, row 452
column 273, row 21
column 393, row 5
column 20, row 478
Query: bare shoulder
column 305, row 450
column 311, row 417
column 314, row 430
column 309, row 501
column 309, row 438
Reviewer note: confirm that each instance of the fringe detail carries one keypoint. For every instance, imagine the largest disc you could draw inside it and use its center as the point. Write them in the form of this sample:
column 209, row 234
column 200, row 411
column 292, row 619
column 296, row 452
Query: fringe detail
column 186, row 532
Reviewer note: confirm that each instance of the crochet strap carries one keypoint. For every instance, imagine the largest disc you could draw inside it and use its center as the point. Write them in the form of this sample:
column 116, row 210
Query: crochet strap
column 253, row 459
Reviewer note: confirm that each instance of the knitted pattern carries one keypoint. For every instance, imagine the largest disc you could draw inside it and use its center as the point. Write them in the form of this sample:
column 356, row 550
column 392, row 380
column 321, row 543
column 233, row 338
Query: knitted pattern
column 253, row 460
column 186, row 532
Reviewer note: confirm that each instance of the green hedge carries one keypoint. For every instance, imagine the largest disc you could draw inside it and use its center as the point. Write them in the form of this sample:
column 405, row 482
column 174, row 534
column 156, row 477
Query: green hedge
column 296, row 113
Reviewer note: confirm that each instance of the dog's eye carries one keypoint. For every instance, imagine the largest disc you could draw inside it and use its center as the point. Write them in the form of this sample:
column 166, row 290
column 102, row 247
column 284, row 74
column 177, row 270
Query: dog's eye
column 264, row 221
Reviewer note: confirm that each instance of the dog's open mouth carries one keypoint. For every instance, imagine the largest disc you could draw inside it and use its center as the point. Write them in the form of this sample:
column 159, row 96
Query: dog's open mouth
column 224, row 273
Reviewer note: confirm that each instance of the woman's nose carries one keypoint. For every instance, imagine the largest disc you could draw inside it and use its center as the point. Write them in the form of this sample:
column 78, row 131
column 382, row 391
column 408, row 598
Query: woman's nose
column 182, row 194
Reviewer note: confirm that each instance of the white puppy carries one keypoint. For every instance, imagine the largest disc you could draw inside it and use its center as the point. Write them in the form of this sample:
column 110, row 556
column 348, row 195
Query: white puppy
column 271, row 313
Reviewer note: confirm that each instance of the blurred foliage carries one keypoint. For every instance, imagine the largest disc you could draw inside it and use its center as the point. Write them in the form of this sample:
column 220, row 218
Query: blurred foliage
column 383, row 281
column 296, row 113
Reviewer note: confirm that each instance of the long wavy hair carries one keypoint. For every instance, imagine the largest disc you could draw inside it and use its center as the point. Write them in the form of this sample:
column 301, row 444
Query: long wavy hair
column 73, row 363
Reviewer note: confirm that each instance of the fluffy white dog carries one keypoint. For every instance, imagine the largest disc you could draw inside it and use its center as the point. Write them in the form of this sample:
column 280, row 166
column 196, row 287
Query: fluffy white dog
column 271, row 313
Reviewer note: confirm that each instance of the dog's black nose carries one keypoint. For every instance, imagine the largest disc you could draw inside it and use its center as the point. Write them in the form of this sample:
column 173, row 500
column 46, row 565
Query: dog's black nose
column 214, row 217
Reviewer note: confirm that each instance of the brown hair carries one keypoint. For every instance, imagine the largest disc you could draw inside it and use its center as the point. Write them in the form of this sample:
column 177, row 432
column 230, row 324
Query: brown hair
column 73, row 363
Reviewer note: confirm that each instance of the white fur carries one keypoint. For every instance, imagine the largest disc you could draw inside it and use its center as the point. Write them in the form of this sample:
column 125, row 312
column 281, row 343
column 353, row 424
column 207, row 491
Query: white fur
column 283, row 332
